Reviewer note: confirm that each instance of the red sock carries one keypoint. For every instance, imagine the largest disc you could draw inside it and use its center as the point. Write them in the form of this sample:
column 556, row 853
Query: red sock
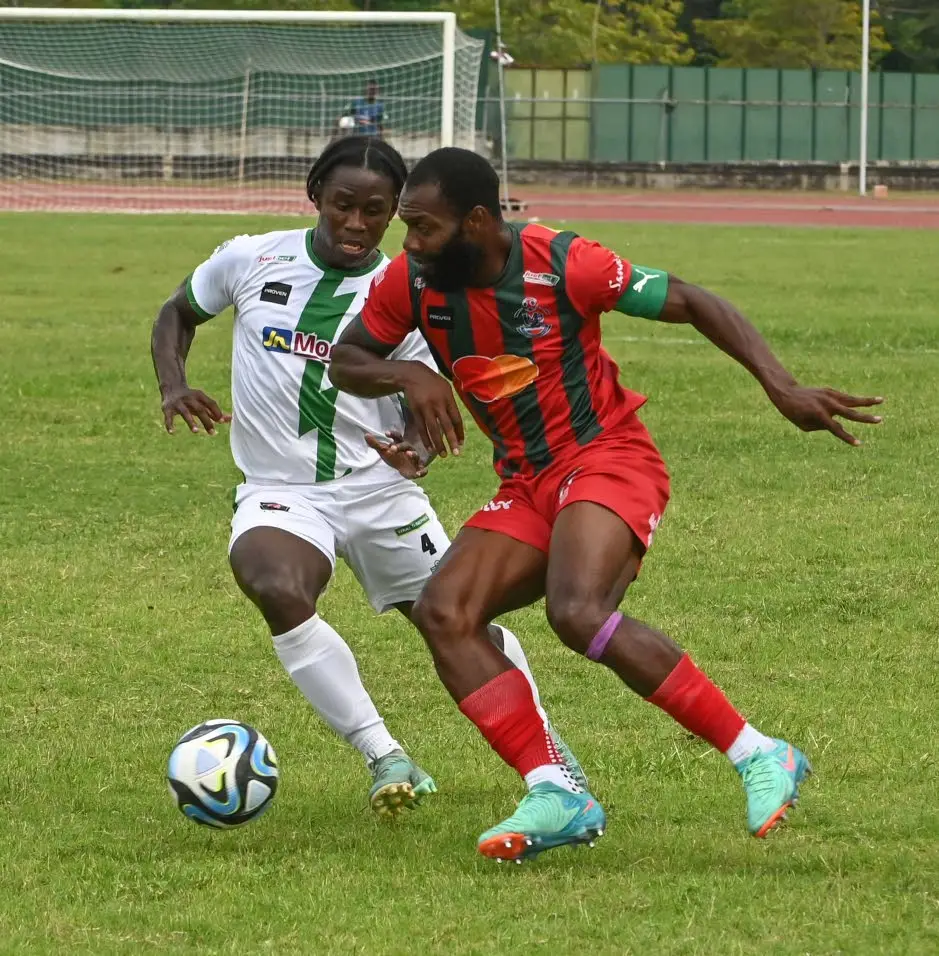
column 687, row 696
column 504, row 711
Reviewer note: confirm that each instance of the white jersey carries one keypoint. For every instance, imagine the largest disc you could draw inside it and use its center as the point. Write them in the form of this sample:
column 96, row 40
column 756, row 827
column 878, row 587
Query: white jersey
column 289, row 424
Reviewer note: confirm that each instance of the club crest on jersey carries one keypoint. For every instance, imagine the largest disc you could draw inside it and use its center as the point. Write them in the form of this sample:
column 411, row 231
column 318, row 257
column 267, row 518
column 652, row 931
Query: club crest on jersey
column 306, row 345
column 532, row 317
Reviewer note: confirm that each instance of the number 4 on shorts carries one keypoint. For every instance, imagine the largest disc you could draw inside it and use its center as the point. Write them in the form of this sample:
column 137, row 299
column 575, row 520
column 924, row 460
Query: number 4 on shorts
column 428, row 546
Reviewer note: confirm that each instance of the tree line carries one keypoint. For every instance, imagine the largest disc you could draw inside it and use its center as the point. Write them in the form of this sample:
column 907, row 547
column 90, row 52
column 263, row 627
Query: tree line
column 798, row 34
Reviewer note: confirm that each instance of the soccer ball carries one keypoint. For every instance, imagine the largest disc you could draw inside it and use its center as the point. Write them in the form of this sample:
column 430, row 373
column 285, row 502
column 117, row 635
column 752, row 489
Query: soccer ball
column 347, row 122
column 222, row 773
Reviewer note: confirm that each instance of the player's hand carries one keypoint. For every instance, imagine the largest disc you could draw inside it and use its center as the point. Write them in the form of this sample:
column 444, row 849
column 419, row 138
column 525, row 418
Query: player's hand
column 193, row 406
column 396, row 451
column 815, row 409
column 433, row 407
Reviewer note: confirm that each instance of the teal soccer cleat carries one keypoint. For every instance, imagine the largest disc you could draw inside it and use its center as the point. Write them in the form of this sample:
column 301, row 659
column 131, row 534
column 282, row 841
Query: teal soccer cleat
column 548, row 816
column 771, row 781
column 398, row 784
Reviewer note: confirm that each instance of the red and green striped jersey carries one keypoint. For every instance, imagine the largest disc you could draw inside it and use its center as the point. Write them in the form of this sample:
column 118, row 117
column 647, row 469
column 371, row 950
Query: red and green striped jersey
column 524, row 354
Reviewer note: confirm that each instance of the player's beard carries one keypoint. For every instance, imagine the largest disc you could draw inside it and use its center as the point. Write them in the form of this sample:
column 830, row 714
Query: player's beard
column 455, row 266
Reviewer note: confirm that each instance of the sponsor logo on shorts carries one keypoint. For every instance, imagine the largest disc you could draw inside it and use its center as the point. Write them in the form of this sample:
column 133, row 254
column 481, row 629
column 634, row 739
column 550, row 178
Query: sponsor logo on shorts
column 440, row 318
column 273, row 506
column 264, row 259
column 566, row 487
column 541, row 278
column 496, row 505
column 276, row 292
column 305, row 344
column 413, row 526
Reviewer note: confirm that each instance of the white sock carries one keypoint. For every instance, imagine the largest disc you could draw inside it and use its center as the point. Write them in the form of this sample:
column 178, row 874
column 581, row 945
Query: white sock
column 747, row 743
column 557, row 774
column 320, row 663
column 550, row 773
column 513, row 651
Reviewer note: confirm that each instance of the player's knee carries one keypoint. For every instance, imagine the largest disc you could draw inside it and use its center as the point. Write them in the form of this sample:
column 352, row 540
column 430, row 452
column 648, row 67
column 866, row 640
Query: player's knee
column 440, row 619
column 281, row 595
column 574, row 618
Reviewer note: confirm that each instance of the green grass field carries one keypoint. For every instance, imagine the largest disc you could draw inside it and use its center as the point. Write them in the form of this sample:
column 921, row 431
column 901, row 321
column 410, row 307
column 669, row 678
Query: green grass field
column 801, row 573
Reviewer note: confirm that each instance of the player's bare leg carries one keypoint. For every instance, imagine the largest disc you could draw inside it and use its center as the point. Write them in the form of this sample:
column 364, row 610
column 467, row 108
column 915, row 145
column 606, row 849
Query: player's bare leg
column 485, row 574
column 284, row 576
column 594, row 557
column 481, row 576
column 506, row 641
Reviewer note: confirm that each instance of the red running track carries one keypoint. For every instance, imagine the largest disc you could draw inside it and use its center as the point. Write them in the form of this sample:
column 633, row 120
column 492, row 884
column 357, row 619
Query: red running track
column 794, row 209
column 756, row 208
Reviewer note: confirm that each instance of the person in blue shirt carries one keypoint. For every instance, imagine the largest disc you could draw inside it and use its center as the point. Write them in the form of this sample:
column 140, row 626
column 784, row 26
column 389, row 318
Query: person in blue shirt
column 368, row 111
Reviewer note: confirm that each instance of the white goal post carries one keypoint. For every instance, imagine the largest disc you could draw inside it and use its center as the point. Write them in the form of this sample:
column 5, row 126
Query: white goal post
column 216, row 110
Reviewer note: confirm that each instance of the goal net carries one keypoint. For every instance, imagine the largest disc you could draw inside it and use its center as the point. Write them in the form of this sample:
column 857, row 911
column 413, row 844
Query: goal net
column 215, row 111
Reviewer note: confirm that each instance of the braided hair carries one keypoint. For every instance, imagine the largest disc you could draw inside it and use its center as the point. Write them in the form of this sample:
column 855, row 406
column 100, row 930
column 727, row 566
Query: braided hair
column 361, row 152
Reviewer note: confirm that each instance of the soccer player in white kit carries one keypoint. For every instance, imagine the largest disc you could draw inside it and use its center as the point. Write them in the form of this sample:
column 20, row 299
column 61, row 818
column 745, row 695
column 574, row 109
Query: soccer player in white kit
column 314, row 487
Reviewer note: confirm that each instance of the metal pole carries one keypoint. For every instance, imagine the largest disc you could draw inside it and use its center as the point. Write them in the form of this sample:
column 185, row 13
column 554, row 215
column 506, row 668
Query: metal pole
column 448, row 102
column 865, row 94
column 502, row 122
column 243, row 138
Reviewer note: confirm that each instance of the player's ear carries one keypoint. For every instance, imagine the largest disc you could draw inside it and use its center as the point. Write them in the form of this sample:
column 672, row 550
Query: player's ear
column 478, row 220
column 316, row 198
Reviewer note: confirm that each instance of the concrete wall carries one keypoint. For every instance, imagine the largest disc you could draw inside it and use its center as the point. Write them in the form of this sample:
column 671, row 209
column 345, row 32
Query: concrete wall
column 769, row 175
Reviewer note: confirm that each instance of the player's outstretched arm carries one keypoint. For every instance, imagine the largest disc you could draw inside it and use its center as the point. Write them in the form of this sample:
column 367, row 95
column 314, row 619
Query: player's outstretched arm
column 170, row 341
column 359, row 365
column 812, row 409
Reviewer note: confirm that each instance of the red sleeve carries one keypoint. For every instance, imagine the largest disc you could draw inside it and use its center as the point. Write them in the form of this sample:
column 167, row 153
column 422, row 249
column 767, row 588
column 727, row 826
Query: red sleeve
column 388, row 315
column 594, row 277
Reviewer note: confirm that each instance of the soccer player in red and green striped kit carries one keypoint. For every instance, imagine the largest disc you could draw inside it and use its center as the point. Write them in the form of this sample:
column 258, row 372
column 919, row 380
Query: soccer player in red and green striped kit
column 512, row 316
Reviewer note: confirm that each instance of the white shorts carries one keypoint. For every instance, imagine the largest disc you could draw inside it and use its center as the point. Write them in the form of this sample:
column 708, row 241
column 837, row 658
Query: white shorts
column 380, row 524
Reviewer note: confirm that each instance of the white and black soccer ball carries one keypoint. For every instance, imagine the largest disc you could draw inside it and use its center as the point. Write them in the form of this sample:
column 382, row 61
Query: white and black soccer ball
column 222, row 773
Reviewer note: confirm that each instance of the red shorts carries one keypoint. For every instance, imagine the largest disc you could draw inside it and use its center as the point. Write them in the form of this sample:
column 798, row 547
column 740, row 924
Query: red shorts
column 621, row 470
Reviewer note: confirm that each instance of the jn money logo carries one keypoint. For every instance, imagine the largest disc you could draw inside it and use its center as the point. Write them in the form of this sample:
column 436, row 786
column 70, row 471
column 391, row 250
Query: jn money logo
column 305, row 344
column 276, row 340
